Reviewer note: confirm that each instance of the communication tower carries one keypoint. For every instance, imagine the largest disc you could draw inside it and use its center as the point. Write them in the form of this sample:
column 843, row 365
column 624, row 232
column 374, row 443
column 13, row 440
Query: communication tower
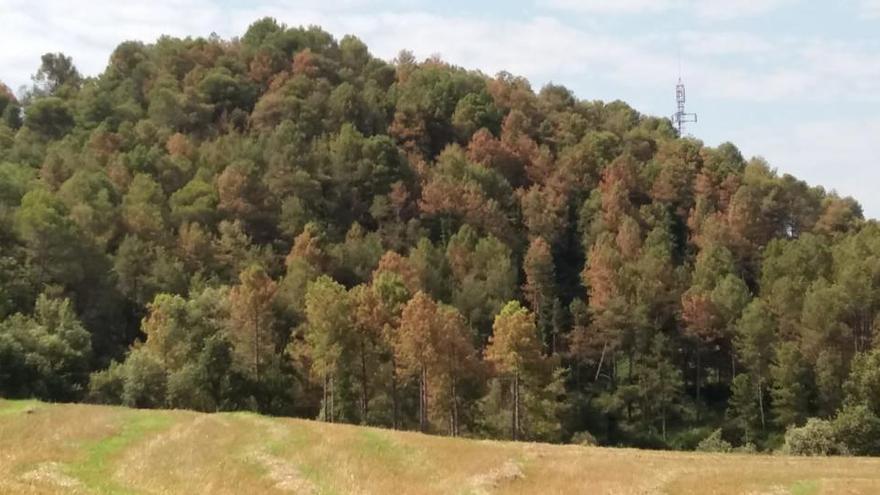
column 681, row 117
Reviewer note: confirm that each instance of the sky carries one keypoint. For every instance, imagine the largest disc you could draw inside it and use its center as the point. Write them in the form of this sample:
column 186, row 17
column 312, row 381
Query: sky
column 794, row 81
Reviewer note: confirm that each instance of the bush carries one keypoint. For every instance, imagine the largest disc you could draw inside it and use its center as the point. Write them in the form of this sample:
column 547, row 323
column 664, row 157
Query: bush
column 186, row 390
column 858, row 429
column 584, row 438
column 714, row 443
column 814, row 438
column 746, row 448
column 688, row 438
column 106, row 386
column 145, row 381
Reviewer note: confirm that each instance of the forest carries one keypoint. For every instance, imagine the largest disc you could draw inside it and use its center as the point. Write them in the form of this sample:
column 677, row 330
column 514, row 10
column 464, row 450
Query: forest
column 284, row 223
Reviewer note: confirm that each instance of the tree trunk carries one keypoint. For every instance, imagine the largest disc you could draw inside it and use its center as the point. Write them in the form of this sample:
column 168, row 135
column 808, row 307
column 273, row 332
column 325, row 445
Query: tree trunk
column 326, row 399
column 732, row 366
column 601, row 360
column 364, row 378
column 332, row 399
column 256, row 350
column 423, row 402
column 699, row 373
column 663, row 421
column 395, row 423
column 761, row 401
column 515, row 419
column 454, row 408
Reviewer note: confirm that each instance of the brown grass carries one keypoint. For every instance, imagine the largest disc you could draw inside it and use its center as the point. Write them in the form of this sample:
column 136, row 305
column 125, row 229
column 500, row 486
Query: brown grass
column 91, row 449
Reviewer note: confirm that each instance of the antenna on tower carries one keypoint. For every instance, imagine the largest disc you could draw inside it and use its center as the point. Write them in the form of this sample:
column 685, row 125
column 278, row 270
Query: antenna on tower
column 681, row 117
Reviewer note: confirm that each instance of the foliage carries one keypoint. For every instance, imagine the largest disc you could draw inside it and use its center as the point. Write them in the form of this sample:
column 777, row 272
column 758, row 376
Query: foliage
column 284, row 222
column 817, row 437
column 714, row 443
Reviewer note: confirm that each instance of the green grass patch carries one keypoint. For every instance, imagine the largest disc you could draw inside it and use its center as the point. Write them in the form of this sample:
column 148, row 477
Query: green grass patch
column 282, row 439
column 17, row 406
column 378, row 446
column 96, row 470
column 804, row 487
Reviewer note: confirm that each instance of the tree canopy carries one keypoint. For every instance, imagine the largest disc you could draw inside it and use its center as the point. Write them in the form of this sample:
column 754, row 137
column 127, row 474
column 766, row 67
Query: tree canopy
column 283, row 222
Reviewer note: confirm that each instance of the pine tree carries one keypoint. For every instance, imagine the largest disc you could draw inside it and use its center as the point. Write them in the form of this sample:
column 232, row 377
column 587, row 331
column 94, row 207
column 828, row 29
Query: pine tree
column 513, row 348
column 251, row 319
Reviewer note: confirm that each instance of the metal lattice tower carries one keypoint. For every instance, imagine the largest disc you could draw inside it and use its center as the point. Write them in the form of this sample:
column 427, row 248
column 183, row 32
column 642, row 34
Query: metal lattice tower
column 681, row 116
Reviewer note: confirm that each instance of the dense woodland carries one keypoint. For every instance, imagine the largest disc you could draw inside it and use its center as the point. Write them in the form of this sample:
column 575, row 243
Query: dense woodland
column 286, row 224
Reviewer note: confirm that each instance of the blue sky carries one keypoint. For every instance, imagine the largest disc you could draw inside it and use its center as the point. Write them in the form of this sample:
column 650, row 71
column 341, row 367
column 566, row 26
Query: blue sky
column 795, row 81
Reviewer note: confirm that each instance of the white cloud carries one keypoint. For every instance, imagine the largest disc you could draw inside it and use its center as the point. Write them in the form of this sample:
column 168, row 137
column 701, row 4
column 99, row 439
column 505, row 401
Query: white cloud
column 542, row 48
column 615, row 6
column 869, row 9
column 704, row 9
column 732, row 9
column 714, row 43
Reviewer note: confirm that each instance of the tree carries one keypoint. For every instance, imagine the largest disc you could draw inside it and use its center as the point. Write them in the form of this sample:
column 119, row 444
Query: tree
column 790, row 389
column 413, row 346
column 144, row 208
column 743, row 407
column 45, row 355
column 660, row 382
column 330, row 338
column 863, row 384
column 52, row 241
column 56, row 76
column 754, row 345
column 456, row 363
column 540, row 288
column 49, row 117
column 513, row 348
column 712, row 303
column 484, row 275
column 144, row 381
column 251, row 319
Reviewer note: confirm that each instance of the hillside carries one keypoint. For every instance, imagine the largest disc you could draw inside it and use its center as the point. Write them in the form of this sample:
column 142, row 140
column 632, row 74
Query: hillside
column 94, row 449
column 285, row 224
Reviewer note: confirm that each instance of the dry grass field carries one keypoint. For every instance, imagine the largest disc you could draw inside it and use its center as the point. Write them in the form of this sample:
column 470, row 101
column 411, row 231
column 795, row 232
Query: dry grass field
column 92, row 449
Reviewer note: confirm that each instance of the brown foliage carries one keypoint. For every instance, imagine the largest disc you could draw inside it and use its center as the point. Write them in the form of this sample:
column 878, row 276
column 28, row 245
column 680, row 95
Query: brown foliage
column 393, row 262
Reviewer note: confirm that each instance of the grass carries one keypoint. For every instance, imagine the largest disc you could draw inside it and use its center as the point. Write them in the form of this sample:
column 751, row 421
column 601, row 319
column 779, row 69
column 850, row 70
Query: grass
column 805, row 488
column 96, row 470
column 15, row 407
column 67, row 448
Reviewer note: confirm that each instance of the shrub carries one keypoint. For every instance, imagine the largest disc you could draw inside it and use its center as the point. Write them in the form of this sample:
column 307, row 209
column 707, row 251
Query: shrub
column 145, row 381
column 106, row 386
column 858, row 429
column 584, row 438
column 746, row 448
column 814, row 438
column 186, row 390
column 714, row 443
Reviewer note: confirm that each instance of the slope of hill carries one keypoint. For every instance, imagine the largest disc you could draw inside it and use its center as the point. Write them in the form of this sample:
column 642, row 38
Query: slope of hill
column 48, row 448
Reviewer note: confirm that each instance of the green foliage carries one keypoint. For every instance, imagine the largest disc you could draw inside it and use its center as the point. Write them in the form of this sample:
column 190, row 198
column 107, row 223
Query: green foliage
column 49, row 117
column 863, row 385
column 106, row 386
column 791, row 386
column 816, row 438
column 47, row 355
column 584, row 438
column 858, row 429
column 287, row 223
column 144, row 381
column 715, row 443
